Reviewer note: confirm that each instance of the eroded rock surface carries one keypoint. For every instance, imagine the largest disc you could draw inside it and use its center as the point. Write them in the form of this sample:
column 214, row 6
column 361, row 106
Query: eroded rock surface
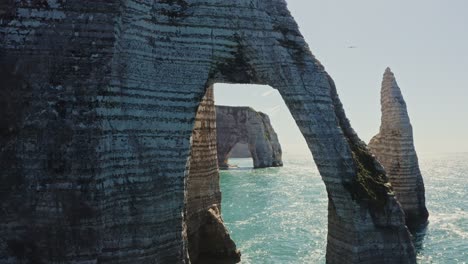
column 207, row 235
column 245, row 125
column 394, row 148
column 98, row 108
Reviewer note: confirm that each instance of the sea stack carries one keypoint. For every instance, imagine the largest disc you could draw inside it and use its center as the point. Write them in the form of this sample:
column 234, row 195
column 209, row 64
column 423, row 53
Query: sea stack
column 245, row 125
column 208, row 238
column 393, row 146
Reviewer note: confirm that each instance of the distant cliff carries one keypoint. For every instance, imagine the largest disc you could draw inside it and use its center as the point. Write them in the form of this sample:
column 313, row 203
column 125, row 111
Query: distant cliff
column 393, row 146
column 245, row 125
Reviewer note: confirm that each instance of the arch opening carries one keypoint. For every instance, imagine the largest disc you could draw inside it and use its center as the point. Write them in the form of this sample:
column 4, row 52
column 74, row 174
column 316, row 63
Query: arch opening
column 203, row 212
column 240, row 156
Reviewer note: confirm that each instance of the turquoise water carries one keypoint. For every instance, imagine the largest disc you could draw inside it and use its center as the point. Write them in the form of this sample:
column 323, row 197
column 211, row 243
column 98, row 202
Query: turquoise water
column 279, row 215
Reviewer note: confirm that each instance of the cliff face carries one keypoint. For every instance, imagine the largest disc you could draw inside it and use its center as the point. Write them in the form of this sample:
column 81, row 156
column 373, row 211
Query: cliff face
column 245, row 125
column 97, row 109
column 394, row 148
column 207, row 235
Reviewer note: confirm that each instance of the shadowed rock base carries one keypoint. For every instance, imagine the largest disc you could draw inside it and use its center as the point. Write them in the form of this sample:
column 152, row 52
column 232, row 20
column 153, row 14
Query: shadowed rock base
column 215, row 241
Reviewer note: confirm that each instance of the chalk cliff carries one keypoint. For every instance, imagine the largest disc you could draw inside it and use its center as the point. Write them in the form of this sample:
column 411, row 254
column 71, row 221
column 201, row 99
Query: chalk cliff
column 245, row 125
column 97, row 109
column 393, row 146
column 208, row 238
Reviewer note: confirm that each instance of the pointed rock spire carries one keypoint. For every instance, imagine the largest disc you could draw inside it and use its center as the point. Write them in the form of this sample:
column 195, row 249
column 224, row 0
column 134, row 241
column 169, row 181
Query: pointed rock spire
column 394, row 111
column 394, row 148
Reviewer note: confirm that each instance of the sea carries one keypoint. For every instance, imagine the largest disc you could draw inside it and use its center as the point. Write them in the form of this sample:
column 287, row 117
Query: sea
column 279, row 215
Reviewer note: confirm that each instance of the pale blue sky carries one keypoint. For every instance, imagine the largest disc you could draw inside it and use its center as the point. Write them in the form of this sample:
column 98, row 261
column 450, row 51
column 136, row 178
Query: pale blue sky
column 425, row 42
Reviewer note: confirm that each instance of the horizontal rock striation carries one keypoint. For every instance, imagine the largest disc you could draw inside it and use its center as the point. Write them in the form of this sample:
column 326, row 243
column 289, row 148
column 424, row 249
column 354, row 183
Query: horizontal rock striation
column 97, row 109
column 207, row 236
column 375, row 231
column 245, row 125
column 394, row 148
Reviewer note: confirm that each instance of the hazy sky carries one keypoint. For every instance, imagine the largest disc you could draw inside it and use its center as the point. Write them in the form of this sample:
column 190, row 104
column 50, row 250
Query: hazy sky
column 425, row 42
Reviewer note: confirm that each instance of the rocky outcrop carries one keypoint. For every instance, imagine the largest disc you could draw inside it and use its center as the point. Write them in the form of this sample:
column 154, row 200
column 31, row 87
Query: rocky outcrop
column 207, row 235
column 97, row 109
column 245, row 125
column 394, row 148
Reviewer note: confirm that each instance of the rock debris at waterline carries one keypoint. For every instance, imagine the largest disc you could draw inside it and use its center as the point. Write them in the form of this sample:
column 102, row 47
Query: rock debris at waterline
column 97, row 110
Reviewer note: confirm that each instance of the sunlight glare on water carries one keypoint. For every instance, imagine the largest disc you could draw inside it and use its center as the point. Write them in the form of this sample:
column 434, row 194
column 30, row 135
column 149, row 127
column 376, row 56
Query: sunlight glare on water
column 279, row 215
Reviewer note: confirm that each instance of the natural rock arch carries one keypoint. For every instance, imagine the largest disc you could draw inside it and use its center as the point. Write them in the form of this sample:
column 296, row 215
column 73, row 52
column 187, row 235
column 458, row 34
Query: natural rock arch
column 245, row 125
column 96, row 124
